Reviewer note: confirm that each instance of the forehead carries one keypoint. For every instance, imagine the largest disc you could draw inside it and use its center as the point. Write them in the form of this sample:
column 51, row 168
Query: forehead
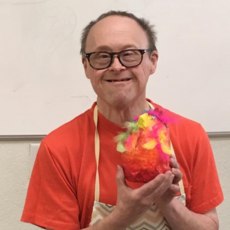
column 115, row 33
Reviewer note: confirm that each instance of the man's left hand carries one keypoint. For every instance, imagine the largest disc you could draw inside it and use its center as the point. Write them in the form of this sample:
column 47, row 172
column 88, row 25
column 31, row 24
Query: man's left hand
column 168, row 196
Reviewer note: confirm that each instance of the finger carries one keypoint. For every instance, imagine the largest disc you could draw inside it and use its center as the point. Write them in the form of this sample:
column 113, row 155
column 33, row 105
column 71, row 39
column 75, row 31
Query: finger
column 172, row 157
column 161, row 190
column 120, row 177
column 178, row 175
column 174, row 189
column 157, row 186
column 174, row 163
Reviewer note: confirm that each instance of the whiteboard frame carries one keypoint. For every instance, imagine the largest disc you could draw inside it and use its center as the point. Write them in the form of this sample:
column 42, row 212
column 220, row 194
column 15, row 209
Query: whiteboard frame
column 40, row 137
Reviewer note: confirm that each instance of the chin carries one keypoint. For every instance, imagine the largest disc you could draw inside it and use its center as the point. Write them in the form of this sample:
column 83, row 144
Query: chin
column 120, row 101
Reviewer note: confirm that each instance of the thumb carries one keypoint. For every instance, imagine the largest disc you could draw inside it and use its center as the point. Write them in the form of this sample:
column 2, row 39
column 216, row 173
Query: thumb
column 120, row 177
column 174, row 189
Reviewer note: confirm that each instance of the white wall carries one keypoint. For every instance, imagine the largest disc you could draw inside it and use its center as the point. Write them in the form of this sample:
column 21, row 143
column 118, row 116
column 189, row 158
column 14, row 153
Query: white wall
column 14, row 179
column 15, row 167
column 41, row 70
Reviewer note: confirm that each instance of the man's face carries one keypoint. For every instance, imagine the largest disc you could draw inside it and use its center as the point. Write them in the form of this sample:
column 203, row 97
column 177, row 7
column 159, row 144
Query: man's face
column 117, row 85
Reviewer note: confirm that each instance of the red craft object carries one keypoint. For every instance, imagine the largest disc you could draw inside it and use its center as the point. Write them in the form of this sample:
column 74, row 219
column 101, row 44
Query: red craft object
column 146, row 150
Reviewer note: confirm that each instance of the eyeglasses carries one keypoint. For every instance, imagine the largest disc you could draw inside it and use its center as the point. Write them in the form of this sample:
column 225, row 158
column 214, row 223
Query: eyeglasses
column 127, row 58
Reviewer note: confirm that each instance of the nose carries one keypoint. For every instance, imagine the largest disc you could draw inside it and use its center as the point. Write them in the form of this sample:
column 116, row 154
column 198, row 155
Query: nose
column 116, row 64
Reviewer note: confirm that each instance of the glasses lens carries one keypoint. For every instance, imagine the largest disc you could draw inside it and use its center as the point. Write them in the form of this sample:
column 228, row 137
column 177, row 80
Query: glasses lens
column 130, row 58
column 100, row 60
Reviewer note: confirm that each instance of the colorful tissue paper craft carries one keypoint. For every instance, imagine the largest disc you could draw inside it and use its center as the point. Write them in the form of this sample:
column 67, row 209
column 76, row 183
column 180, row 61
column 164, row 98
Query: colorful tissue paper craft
column 145, row 147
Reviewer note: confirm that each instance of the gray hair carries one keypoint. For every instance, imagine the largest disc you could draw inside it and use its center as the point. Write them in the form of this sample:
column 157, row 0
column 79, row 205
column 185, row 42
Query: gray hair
column 145, row 25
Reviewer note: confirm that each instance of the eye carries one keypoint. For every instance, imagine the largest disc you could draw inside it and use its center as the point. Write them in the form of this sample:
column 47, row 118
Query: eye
column 103, row 56
column 128, row 53
column 130, row 56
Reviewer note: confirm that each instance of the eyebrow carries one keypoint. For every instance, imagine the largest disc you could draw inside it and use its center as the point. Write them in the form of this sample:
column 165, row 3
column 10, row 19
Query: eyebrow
column 107, row 48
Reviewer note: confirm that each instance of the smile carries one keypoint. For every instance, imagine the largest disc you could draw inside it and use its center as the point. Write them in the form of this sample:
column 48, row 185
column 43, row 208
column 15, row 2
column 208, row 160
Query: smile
column 119, row 80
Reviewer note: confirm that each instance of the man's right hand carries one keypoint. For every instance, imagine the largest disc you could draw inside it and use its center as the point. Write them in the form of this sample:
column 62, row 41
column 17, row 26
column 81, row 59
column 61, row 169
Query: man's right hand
column 132, row 203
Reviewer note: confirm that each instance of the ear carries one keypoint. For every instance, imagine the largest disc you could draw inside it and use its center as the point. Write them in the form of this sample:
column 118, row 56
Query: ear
column 85, row 65
column 153, row 59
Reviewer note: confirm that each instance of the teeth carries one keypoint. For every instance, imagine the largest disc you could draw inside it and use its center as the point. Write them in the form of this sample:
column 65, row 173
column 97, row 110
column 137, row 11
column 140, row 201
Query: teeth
column 118, row 80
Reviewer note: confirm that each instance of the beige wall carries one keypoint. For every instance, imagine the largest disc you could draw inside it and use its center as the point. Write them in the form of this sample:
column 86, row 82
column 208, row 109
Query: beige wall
column 15, row 171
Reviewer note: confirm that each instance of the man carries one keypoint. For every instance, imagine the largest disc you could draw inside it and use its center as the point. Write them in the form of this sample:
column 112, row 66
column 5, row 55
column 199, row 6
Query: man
column 119, row 55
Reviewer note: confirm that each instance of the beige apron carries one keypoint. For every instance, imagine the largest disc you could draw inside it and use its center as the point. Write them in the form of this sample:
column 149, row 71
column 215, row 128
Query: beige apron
column 151, row 219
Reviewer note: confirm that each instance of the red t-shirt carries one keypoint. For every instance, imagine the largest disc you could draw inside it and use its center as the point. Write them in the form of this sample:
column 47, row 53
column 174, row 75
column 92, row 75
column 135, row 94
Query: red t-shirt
column 61, row 190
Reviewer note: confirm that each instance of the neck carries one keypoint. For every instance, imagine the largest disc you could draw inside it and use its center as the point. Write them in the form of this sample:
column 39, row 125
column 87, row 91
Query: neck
column 119, row 115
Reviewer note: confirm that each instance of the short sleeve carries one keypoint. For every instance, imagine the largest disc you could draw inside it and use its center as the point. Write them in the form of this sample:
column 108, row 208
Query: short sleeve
column 51, row 200
column 206, row 192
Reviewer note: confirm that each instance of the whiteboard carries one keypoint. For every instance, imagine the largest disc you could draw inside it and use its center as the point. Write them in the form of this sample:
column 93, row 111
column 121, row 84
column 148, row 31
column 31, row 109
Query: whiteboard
column 42, row 82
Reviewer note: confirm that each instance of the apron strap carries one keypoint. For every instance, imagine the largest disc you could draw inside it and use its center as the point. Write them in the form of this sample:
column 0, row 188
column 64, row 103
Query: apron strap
column 173, row 153
column 181, row 185
column 97, row 153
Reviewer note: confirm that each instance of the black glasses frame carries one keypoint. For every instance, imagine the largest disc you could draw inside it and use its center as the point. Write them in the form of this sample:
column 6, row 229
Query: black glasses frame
column 142, row 51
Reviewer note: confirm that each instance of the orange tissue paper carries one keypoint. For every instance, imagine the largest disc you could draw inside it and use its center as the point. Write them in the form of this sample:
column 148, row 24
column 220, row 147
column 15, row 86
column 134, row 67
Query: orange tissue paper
column 145, row 147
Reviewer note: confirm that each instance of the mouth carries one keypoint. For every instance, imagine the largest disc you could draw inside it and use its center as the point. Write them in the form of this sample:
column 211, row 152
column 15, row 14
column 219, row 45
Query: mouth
column 119, row 80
